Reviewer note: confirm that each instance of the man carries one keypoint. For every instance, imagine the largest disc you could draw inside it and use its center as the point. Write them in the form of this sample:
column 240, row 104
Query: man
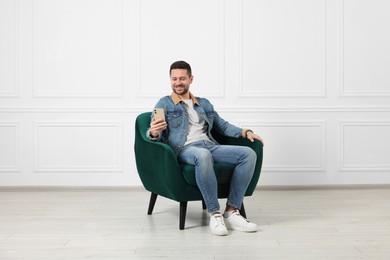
column 187, row 129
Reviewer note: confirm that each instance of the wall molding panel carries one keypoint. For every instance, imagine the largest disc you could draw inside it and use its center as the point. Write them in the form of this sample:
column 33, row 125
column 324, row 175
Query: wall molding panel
column 68, row 60
column 10, row 147
column 308, row 137
column 78, row 147
column 370, row 135
column 9, row 49
column 363, row 63
column 274, row 82
column 212, row 35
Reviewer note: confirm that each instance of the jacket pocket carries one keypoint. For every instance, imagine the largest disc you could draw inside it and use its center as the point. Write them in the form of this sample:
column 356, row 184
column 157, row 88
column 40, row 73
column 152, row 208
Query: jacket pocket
column 174, row 118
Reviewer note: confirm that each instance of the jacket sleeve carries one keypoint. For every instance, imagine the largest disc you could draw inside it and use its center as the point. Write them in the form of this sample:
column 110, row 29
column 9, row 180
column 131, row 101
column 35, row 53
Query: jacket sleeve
column 223, row 127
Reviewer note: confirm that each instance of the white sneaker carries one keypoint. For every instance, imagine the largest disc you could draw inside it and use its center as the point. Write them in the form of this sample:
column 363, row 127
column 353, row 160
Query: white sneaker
column 238, row 222
column 217, row 225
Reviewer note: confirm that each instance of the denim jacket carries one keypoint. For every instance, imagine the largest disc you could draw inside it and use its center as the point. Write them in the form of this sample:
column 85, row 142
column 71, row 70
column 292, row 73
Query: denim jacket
column 176, row 116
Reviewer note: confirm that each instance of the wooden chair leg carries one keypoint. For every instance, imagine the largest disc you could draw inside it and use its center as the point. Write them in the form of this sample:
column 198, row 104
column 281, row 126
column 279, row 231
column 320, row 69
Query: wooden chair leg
column 242, row 210
column 153, row 198
column 183, row 211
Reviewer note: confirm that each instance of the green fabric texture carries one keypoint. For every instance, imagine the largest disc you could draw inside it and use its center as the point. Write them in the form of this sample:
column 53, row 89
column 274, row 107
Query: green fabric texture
column 161, row 173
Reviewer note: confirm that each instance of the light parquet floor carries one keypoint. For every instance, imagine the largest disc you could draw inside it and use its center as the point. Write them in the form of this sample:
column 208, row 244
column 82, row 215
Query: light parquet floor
column 110, row 224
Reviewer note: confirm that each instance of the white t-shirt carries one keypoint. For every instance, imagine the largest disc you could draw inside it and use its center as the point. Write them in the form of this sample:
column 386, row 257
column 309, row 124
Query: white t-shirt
column 197, row 129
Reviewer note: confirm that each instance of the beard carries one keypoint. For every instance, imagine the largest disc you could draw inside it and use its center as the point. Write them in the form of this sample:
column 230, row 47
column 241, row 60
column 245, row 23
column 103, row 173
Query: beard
column 180, row 90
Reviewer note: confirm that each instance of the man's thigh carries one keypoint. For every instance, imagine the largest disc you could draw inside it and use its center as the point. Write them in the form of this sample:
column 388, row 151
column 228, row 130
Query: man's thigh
column 229, row 153
column 194, row 153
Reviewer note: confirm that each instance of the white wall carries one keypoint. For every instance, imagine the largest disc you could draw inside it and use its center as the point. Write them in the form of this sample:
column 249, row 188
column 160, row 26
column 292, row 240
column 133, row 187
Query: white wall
column 310, row 76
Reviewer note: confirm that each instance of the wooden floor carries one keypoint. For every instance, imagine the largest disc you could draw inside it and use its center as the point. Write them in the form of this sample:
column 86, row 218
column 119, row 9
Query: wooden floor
column 112, row 224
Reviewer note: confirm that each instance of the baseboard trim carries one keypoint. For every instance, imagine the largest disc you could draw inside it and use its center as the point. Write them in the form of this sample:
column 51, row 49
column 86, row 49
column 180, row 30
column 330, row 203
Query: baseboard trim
column 324, row 187
column 70, row 188
column 142, row 189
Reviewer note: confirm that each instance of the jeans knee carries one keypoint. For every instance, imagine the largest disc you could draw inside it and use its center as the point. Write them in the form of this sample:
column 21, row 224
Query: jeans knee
column 203, row 157
column 250, row 155
column 253, row 156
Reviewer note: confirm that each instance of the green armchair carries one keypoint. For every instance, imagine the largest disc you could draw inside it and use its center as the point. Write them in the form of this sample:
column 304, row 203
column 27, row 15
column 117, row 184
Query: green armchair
column 161, row 174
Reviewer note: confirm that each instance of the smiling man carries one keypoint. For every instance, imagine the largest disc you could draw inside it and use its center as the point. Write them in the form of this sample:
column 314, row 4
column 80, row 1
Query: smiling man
column 187, row 129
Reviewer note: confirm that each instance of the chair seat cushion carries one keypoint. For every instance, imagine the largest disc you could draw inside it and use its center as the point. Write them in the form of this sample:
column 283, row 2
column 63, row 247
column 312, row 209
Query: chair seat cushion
column 223, row 171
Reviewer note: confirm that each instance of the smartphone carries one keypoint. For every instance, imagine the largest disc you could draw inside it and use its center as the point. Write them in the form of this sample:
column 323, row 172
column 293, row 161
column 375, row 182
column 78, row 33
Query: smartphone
column 158, row 113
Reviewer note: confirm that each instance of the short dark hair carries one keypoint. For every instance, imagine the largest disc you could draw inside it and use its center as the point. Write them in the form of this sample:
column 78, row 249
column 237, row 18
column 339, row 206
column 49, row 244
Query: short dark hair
column 181, row 64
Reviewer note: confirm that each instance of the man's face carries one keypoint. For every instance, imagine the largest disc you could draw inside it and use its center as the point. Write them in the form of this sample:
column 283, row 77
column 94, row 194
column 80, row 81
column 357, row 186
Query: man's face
column 180, row 82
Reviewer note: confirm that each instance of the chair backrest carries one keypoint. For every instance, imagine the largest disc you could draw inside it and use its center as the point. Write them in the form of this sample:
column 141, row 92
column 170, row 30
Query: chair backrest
column 141, row 124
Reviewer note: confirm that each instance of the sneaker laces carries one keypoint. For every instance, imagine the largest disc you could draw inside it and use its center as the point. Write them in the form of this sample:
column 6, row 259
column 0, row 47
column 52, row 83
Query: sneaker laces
column 237, row 213
column 218, row 217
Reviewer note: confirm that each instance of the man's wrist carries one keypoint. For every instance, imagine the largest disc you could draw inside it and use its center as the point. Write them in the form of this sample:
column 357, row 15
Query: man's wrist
column 151, row 135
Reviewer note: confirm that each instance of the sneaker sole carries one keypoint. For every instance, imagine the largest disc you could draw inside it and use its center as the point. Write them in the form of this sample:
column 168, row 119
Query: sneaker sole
column 220, row 233
column 242, row 229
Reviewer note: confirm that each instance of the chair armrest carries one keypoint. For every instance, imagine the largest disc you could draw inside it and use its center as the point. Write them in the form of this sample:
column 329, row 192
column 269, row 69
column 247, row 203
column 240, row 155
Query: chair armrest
column 158, row 167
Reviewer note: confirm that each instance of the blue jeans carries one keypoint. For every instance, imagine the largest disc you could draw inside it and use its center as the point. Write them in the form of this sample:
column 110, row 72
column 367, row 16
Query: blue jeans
column 202, row 154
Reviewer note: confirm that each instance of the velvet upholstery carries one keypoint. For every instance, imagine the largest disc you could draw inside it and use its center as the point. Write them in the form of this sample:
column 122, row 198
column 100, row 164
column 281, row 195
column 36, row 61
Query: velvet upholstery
column 161, row 174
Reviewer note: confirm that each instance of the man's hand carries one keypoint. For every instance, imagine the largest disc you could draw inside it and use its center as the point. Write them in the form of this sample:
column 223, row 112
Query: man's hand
column 252, row 136
column 156, row 126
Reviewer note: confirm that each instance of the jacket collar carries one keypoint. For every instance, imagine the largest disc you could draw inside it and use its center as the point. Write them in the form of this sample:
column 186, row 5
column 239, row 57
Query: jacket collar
column 177, row 99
